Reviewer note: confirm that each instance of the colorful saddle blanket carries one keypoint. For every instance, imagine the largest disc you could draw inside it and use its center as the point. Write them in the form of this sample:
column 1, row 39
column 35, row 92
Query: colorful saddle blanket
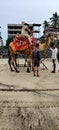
column 19, row 44
column 16, row 47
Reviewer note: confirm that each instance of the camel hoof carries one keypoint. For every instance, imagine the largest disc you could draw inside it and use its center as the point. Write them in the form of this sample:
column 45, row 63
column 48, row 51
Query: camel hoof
column 24, row 65
column 17, row 65
column 28, row 71
column 17, row 71
column 12, row 70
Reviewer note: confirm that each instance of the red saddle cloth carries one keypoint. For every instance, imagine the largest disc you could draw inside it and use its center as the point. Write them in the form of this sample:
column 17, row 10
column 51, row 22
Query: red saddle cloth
column 21, row 43
column 19, row 39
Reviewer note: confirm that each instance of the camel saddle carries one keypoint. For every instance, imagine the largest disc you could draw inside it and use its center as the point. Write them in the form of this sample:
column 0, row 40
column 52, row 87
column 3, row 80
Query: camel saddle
column 21, row 43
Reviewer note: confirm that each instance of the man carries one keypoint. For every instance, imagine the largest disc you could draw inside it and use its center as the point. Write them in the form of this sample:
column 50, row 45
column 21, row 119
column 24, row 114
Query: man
column 25, row 31
column 36, row 60
column 54, row 57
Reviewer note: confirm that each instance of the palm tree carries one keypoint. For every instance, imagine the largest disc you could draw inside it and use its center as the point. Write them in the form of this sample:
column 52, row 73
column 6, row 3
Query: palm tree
column 55, row 20
column 45, row 24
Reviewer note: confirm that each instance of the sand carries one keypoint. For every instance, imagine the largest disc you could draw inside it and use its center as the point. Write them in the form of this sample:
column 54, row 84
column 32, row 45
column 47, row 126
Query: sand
column 28, row 102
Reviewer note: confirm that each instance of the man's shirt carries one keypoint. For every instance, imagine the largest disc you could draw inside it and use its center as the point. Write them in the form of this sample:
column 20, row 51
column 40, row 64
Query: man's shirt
column 54, row 53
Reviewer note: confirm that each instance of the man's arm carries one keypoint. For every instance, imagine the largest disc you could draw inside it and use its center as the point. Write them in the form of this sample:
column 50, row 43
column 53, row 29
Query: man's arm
column 38, row 55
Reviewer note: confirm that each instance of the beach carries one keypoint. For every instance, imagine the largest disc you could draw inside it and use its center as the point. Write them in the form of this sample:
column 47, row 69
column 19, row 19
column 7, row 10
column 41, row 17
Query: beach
column 28, row 102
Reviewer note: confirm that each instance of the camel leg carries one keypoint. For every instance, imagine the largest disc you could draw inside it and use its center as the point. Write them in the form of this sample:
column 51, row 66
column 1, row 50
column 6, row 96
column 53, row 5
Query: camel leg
column 14, row 64
column 28, row 65
column 9, row 60
column 32, row 65
column 25, row 62
column 17, row 63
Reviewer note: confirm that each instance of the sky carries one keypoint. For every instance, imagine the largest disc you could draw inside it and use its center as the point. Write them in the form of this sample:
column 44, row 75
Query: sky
column 30, row 11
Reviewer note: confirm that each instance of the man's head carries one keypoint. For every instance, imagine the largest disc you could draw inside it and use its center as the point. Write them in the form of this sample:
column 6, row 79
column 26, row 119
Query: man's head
column 26, row 24
column 54, row 46
column 37, row 45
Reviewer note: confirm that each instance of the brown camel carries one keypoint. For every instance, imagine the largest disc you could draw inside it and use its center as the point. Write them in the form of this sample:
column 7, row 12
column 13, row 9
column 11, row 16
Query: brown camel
column 25, row 48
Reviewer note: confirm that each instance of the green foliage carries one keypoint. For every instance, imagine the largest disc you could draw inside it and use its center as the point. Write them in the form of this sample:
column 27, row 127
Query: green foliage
column 9, row 39
column 45, row 24
column 57, row 43
column 52, row 43
column 55, row 20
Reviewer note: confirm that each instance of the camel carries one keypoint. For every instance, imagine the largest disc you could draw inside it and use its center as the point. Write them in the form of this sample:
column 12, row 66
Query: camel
column 26, row 49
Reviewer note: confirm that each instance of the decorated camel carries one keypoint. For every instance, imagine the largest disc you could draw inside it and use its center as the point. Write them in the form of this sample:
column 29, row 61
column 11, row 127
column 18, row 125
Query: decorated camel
column 22, row 46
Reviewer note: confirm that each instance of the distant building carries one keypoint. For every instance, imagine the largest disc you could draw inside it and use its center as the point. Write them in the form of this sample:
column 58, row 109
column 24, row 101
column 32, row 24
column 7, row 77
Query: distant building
column 51, row 29
column 12, row 29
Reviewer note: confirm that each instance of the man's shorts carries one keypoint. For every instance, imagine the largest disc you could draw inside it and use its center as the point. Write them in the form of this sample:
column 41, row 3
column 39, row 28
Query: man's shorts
column 36, row 63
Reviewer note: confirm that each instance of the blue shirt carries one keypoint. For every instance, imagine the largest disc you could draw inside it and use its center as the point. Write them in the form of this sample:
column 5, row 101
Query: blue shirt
column 36, row 54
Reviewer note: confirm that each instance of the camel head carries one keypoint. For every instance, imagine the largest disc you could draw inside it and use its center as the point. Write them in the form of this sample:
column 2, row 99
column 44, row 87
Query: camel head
column 52, row 35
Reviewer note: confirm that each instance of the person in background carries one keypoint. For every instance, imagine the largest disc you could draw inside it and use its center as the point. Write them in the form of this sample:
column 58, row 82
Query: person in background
column 54, row 57
column 25, row 32
column 36, row 60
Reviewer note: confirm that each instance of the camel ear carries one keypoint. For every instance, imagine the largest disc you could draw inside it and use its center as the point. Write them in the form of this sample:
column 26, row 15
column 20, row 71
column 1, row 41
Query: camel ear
column 54, row 34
